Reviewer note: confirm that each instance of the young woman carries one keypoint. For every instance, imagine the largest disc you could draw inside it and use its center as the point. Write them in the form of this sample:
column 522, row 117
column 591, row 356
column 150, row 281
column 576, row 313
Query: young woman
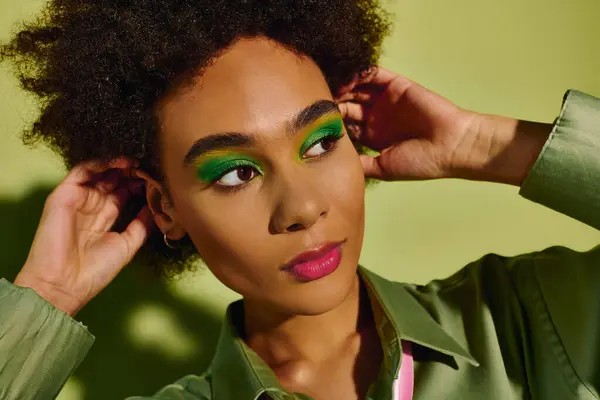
column 228, row 118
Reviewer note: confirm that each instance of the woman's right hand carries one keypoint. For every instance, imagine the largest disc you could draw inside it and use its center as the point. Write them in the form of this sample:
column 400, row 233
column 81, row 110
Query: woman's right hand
column 75, row 253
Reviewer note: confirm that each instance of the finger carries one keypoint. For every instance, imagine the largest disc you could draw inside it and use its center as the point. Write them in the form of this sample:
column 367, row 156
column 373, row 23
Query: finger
column 126, row 190
column 120, row 248
column 354, row 130
column 85, row 172
column 358, row 89
column 371, row 84
column 361, row 96
column 109, row 181
column 379, row 82
column 120, row 197
column 107, row 212
column 358, row 79
column 377, row 76
column 116, row 189
column 348, row 87
column 138, row 230
column 352, row 111
column 371, row 167
column 108, row 208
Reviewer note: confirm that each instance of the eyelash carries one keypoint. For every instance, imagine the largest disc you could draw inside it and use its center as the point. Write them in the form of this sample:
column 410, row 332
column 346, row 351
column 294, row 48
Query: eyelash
column 334, row 136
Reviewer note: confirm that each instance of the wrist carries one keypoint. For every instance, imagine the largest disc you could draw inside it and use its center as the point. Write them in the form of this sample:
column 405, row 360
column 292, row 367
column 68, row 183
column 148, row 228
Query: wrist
column 49, row 293
column 500, row 149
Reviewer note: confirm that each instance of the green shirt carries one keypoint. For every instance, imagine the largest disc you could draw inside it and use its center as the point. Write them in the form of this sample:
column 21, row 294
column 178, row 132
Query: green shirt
column 502, row 328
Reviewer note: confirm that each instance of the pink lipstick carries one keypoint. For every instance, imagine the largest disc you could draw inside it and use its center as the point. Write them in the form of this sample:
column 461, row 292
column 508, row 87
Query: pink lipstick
column 317, row 263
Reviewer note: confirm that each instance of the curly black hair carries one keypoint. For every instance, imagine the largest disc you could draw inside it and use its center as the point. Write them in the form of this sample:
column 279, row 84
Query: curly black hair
column 100, row 67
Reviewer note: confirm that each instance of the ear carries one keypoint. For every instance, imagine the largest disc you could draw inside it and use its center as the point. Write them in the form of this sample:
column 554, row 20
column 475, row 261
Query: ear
column 160, row 205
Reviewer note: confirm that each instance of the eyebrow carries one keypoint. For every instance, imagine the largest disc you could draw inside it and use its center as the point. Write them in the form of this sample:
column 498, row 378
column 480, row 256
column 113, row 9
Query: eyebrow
column 225, row 140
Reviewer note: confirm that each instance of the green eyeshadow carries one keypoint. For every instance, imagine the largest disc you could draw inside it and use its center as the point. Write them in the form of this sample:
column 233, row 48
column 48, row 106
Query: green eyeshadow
column 331, row 126
column 214, row 167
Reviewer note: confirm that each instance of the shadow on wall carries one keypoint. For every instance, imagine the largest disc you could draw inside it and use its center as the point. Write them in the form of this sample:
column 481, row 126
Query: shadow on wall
column 117, row 367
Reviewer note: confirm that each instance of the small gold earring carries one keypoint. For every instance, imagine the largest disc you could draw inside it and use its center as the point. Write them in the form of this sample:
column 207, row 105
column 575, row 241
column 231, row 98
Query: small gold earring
column 166, row 239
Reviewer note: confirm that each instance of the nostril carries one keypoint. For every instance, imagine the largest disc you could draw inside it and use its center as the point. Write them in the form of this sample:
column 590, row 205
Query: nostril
column 294, row 227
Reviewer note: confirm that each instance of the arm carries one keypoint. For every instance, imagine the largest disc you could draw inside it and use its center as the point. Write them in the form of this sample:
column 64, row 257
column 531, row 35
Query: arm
column 566, row 176
column 74, row 255
column 40, row 346
column 543, row 307
column 556, row 165
column 421, row 135
column 559, row 287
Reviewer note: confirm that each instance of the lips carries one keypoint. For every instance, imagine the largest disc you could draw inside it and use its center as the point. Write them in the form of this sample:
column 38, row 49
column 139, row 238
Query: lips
column 313, row 254
column 316, row 263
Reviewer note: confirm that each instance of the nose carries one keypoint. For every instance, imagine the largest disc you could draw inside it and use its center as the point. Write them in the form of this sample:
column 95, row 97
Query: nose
column 300, row 204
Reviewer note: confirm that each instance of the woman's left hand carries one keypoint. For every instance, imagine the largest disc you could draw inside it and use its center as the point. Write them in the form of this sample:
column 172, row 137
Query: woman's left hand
column 421, row 135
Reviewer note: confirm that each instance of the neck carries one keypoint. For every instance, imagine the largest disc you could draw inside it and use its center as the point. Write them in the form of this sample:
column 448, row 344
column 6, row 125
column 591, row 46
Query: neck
column 279, row 337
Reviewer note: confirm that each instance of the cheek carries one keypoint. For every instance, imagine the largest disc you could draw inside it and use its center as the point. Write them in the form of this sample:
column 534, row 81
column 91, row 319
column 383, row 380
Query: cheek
column 348, row 203
column 222, row 227
column 347, row 183
column 231, row 235
column 231, row 232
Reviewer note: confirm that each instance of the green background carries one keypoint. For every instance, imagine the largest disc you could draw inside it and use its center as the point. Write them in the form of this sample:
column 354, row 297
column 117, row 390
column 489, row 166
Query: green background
column 515, row 57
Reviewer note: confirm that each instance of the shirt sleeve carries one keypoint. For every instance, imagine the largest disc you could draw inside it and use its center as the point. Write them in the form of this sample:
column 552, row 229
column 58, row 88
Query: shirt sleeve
column 560, row 288
column 566, row 175
column 40, row 346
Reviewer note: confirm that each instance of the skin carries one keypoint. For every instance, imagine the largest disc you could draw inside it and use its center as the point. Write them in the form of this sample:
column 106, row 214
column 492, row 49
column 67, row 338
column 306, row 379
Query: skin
column 245, row 237
column 295, row 203
column 311, row 334
column 422, row 135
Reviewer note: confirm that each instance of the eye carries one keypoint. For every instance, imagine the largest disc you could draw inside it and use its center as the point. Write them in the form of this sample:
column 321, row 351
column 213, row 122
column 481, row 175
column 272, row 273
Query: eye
column 237, row 176
column 320, row 147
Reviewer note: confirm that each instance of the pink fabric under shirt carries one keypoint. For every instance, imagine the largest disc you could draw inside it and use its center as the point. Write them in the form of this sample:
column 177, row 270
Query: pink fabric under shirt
column 404, row 383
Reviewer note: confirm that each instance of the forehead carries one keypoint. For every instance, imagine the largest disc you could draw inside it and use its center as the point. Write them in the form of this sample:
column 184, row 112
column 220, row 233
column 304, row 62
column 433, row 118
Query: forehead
column 255, row 86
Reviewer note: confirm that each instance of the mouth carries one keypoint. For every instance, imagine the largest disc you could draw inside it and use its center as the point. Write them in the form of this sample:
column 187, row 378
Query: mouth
column 315, row 263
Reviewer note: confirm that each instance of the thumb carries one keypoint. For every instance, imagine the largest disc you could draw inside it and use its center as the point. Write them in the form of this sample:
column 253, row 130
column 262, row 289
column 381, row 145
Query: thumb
column 129, row 242
column 372, row 167
column 138, row 231
column 410, row 160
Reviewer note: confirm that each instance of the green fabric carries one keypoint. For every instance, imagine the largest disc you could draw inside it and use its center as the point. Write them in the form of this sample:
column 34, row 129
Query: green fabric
column 40, row 346
column 502, row 328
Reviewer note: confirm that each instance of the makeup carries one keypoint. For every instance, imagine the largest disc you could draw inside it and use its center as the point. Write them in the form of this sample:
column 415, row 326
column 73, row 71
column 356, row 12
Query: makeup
column 317, row 263
column 328, row 126
column 213, row 166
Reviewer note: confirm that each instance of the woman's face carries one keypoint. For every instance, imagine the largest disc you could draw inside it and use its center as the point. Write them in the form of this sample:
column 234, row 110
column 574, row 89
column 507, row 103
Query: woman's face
column 260, row 170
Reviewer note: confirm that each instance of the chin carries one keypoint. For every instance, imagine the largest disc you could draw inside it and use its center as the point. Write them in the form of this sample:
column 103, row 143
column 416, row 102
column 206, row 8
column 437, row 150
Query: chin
column 325, row 294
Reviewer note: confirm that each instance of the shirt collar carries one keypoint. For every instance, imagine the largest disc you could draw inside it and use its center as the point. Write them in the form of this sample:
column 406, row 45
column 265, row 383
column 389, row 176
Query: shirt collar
column 410, row 319
column 237, row 372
